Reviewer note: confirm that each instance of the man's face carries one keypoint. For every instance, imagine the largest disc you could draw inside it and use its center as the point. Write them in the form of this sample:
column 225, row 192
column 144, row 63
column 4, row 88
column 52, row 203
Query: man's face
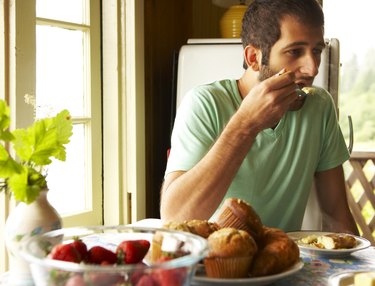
column 299, row 50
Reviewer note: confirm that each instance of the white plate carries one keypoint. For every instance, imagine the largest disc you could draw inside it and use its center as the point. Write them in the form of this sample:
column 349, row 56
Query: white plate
column 201, row 279
column 362, row 243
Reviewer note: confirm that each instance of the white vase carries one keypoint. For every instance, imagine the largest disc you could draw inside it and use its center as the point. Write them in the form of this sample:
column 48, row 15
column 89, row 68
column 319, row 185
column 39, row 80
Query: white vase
column 23, row 222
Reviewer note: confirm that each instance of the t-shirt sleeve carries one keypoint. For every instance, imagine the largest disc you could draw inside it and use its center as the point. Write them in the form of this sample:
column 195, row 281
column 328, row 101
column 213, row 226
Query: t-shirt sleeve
column 334, row 151
column 193, row 132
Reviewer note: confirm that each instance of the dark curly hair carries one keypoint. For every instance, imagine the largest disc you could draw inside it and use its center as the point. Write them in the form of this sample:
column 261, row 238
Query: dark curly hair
column 261, row 21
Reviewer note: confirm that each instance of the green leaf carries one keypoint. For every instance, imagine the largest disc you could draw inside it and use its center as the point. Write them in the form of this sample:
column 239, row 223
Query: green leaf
column 27, row 185
column 35, row 147
column 23, row 144
column 8, row 166
column 44, row 139
column 5, row 135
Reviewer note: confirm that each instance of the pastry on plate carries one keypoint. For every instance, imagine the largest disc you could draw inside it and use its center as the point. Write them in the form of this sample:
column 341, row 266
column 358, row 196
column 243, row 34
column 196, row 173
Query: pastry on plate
column 364, row 279
column 202, row 228
column 239, row 214
column 277, row 252
column 337, row 241
column 231, row 252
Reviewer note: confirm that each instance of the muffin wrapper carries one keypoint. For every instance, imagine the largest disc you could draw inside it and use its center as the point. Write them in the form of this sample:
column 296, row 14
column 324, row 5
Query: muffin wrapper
column 228, row 219
column 231, row 267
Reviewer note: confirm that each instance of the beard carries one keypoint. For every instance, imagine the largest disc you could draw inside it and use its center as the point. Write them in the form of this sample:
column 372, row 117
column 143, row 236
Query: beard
column 265, row 72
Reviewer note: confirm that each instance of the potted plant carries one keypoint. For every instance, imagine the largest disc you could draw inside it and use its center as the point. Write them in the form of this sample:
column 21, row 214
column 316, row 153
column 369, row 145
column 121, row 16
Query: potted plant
column 24, row 174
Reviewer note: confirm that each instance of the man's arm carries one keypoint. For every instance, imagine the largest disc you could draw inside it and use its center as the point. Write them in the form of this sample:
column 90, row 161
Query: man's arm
column 332, row 197
column 197, row 193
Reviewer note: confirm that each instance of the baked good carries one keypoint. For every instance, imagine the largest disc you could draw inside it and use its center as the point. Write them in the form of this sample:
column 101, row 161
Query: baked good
column 336, row 241
column 202, row 228
column 239, row 214
column 177, row 225
column 231, row 252
column 155, row 248
column 364, row 279
column 329, row 241
column 276, row 253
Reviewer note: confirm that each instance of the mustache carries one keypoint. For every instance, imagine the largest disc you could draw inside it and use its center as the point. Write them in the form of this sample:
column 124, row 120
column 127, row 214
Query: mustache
column 306, row 78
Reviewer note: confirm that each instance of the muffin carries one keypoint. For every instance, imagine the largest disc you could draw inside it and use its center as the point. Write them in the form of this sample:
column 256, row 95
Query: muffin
column 202, row 228
column 239, row 214
column 276, row 253
column 231, row 252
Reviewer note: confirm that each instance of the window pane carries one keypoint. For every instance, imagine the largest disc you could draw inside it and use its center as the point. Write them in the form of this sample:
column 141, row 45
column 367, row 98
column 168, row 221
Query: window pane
column 60, row 71
column 351, row 24
column 64, row 10
column 66, row 180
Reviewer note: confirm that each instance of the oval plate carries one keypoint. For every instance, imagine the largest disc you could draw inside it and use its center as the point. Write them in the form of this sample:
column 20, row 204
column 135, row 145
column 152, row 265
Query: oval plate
column 200, row 277
column 362, row 243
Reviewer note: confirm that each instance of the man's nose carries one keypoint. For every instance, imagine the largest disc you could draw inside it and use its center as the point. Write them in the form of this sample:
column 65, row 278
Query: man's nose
column 310, row 65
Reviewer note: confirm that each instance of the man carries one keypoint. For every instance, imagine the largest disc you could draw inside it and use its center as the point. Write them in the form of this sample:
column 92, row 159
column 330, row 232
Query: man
column 256, row 138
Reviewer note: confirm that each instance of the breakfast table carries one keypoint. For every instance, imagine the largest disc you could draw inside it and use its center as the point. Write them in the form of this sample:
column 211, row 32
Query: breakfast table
column 314, row 269
column 317, row 270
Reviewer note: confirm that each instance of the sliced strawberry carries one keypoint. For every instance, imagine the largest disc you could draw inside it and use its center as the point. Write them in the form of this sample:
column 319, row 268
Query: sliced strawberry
column 132, row 251
column 101, row 255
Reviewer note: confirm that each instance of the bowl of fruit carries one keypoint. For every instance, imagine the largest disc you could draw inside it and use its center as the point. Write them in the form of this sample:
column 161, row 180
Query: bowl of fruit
column 113, row 255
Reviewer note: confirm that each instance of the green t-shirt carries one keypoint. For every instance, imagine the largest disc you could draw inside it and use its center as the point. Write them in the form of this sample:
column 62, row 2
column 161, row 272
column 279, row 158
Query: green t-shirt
column 277, row 174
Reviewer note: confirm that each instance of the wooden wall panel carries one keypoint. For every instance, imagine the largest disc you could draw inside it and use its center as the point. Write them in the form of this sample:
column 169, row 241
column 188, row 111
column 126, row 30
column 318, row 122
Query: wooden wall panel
column 168, row 25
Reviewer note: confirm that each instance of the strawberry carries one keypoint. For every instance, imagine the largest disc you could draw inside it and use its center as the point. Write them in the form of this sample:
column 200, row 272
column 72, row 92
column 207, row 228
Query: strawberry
column 81, row 247
column 75, row 251
column 146, row 280
column 132, row 251
column 101, row 255
column 104, row 279
column 166, row 277
column 76, row 280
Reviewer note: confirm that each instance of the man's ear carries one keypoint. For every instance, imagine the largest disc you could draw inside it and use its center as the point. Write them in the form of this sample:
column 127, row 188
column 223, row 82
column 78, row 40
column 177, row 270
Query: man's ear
column 253, row 57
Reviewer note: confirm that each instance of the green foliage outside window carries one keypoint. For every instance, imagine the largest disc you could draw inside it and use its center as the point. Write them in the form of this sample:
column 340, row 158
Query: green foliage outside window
column 357, row 99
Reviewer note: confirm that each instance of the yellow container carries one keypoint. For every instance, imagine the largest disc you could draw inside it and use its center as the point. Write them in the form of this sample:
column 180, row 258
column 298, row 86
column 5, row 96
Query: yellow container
column 231, row 22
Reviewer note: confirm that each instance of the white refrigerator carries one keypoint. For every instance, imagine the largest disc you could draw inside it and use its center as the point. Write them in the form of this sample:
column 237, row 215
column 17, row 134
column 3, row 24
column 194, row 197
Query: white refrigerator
column 205, row 60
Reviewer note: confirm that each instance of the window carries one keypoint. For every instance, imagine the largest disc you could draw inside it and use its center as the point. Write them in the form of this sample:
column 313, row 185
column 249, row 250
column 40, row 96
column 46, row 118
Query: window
column 50, row 60
column 351, row 23
column 68, row 77
column 67, row 29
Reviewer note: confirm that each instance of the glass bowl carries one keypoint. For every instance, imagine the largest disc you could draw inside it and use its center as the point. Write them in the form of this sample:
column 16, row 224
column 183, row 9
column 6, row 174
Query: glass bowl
column 185, row 249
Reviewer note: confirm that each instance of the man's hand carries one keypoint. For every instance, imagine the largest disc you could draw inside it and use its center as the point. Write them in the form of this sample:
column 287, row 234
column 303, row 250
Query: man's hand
column 268, row 101
column 331, row 192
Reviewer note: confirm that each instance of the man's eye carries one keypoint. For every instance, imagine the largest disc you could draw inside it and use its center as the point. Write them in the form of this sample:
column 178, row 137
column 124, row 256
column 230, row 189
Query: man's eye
column 318, row 51
column 294, row 52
